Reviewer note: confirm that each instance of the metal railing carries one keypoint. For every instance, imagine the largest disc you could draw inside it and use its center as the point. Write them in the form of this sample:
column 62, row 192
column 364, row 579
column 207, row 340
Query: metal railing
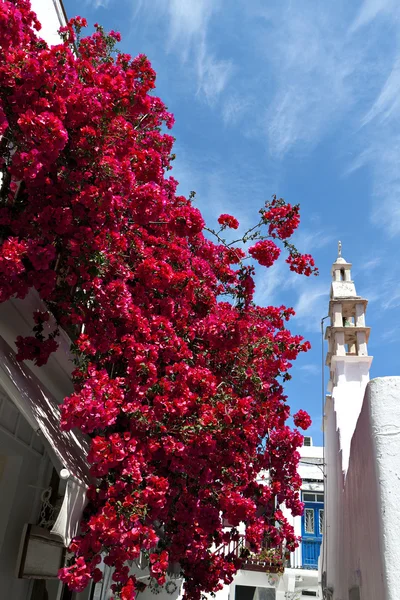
column 254, row 562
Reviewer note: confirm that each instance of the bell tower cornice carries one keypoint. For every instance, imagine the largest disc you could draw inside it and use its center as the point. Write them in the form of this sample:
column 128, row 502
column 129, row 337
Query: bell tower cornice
column 347, row 333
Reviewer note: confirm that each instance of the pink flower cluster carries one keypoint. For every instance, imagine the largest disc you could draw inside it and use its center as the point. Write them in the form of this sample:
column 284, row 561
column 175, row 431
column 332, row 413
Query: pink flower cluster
column 302, row 419
column 282, row 218
column 228, row 221
column 158, row 566
column 302, row 263
column 265, row 252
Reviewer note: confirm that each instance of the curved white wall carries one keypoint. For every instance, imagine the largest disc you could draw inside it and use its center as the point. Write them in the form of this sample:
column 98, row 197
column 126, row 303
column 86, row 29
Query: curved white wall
column 362, row 538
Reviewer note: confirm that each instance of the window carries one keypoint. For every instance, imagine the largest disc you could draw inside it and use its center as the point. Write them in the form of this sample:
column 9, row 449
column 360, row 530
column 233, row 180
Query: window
column 309, row 520
column 307, row 441
column 312, row 497
column 321, row 520
column 248, row 592
column 308, row 497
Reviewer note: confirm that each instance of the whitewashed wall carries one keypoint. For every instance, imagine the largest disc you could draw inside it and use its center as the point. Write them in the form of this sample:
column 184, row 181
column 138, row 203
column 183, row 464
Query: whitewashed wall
column 352, row 376
column 51, row 15
column 25, row 472
column 362, row 540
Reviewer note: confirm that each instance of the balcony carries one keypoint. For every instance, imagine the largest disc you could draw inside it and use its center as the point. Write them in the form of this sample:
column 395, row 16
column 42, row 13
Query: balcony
column 269, row 560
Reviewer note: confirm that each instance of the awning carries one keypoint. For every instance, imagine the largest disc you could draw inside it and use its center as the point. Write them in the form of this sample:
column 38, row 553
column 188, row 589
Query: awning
column 40, row 409
column 70, row 515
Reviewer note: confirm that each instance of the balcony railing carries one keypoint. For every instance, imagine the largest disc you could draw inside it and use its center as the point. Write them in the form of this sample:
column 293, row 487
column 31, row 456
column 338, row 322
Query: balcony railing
column 269, row 560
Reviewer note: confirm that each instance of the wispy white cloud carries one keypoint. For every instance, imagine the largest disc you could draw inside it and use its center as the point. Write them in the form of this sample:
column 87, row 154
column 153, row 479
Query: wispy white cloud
column 390, row 295
column 307, row 240
column 311, row 304
column 188, row 22
column 270, row 283
column 98, row 3
column 323, row 72
column 307, row 295
column 187, row 35
column 379, row 134
column 235, row 108
column 219, row 188
column 387, row 104
column 370, row 9
column 370, row 265
column 212, row 74
column 382, row 160
column 382, row 289
column 390, row 335
column 312, row 66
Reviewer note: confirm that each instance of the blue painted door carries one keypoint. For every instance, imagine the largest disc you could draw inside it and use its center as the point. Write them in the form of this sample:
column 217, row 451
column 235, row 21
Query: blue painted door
column 311, row 525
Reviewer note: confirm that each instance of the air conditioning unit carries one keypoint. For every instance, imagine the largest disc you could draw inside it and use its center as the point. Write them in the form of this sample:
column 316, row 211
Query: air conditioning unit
column 41, row 554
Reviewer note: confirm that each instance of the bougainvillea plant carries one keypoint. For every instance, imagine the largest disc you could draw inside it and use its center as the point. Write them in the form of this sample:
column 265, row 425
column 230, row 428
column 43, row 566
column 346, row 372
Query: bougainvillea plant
column 178, row 378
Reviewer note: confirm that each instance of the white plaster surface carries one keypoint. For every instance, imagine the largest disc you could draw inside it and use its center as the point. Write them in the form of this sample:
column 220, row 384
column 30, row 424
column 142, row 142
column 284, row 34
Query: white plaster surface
column 362, row 534
column 383, row 398
column 51, row 17
column 351, row 376
column 16, row 318
column 19, row 503
column 343, row 289
column 311, row 460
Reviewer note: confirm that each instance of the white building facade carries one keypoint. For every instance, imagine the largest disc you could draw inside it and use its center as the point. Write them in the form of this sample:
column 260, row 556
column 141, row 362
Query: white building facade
column 258, row 580
column 302, row 571
column 43, row 472
column 361, row 545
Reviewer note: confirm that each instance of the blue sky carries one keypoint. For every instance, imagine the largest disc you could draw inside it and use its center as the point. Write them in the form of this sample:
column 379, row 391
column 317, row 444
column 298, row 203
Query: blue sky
column 298, row 99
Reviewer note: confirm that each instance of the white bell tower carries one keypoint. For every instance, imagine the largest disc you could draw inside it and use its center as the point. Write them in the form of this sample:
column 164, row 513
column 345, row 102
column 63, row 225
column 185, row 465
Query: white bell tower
column 347, row 356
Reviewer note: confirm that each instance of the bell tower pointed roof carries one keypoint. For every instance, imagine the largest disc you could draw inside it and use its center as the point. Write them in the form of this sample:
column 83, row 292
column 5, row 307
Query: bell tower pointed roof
column 342, row 284
column 347, row 333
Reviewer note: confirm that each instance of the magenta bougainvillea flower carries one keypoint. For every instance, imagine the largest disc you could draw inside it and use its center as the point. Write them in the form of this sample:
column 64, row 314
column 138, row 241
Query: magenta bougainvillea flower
column 179, row 375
